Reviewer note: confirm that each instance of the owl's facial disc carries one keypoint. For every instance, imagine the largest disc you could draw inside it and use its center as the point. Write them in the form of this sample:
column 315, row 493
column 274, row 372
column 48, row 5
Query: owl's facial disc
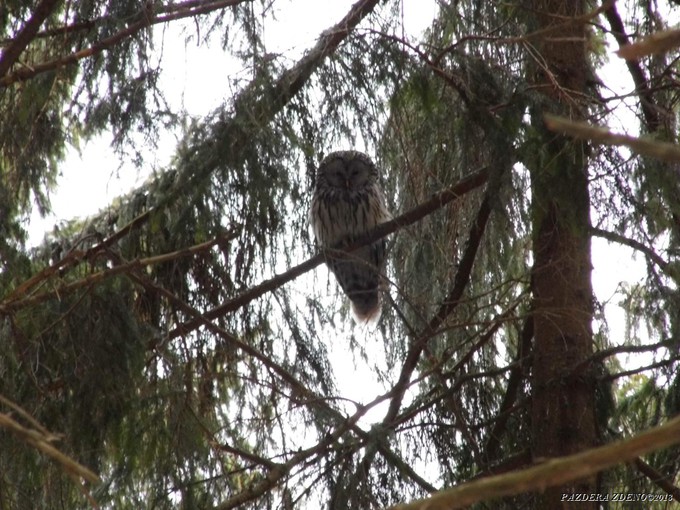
column 350, row 176
column 358, row 175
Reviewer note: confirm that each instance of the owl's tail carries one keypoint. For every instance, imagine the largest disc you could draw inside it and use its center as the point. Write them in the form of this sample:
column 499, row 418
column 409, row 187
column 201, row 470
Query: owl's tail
column 366, row 307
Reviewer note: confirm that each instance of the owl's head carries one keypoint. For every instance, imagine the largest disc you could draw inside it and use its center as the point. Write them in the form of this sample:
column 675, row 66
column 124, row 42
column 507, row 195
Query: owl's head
column 347, row 170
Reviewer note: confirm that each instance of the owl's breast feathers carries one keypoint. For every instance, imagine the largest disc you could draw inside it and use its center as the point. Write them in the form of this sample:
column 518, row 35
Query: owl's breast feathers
column 338, row 216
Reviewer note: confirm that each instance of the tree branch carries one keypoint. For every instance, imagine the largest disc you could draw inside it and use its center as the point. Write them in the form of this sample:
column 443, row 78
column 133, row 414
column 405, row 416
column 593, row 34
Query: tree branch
column 447, row 307
column 553, row 472
column 492, row 446
column 89, row 24
column 259, row 114
column 41, row 443
column 146, row 19
column 631, row 243
column 13, row 303
column 661, row 150
column 26, row 35
column 657, row 478
column 649, row 108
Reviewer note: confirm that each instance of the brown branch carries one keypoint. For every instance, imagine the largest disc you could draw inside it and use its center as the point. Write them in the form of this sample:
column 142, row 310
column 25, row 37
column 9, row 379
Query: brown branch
column 299, row 389
column 632, row 243
column 93, row 22
column 447, row 307
column 658, row 479
column 279, row 471
column 660, row 150
column 42, row 444
column 26, row 35
column 645, row 368
column 423, row 405
column 649, row 108
column 553, row 472
column 420, row 343
column 512, row 463
column 12, row 303
column 514, row 381
column 72, row 259
column 434, row 395
column 27, row 416
column 653, row 44
column 146, row 20
column 621, row 349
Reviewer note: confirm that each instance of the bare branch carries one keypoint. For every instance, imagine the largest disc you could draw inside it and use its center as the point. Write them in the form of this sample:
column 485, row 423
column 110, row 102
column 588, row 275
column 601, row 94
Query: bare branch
column 206, row 5
column 13, row 303
column 447, row 307
column 633, row 371
column 492, row 446
column 632, row 243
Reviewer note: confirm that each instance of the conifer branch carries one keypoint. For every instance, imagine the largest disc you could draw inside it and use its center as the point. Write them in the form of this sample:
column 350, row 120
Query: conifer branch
column 13, row 302
column 553, row 472
column 146, row 19
column 447, row 306
column 493, row 442
column 658, row 479
column 311, row 399
column 632, row 243
column 42, row 443
column 26, row 35
column 206, row 5
column 654, row 44
column 661, row 150
column 645, row 368
column 649, row 108
column 252, row 110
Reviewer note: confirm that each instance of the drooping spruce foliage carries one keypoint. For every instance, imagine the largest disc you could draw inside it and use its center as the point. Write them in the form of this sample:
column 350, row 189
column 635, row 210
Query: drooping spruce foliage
column 154, row 343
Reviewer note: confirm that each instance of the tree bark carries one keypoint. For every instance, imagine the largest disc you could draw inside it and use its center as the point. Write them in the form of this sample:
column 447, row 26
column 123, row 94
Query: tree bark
column 563, row 404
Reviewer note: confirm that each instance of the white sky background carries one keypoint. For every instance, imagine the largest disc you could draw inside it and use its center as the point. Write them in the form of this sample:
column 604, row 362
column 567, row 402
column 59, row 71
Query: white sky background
column 197, row 80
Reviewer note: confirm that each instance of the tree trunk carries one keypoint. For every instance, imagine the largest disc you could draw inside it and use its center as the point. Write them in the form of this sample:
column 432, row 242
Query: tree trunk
column 563, row 408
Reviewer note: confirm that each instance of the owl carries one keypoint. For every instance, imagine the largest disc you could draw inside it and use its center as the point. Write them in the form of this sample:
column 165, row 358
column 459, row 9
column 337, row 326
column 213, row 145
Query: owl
column 348, row 202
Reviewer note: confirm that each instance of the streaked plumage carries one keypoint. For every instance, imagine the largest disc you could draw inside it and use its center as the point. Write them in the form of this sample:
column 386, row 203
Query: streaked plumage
column 348, row 202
